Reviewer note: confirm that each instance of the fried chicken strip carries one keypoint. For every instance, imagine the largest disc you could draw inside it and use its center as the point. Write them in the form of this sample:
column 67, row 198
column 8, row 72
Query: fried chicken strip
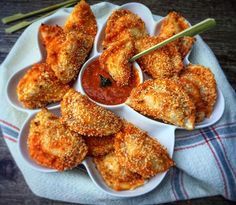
column 85, row 117
column 140, row 153
column 52, row 144
column 39, row 87
column 164, row 100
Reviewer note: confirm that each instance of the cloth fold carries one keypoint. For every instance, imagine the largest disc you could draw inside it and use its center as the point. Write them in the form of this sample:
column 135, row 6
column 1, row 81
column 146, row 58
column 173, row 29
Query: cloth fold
column 205, row 159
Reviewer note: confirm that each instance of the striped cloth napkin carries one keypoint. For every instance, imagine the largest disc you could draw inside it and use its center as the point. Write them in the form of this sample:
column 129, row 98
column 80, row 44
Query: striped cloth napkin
column 205, row 159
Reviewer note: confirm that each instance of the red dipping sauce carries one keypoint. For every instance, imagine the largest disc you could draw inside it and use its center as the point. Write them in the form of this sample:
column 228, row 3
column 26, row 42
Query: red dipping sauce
column 111, row 94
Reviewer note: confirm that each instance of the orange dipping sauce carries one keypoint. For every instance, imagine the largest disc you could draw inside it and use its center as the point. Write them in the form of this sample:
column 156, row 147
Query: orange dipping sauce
column 111, row 94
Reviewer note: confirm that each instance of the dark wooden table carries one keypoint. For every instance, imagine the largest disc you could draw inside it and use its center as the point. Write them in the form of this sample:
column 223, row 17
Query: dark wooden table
column 13, row 189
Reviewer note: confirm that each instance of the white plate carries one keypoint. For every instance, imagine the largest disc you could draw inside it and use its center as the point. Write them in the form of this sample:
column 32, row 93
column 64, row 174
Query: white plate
column 163, row 132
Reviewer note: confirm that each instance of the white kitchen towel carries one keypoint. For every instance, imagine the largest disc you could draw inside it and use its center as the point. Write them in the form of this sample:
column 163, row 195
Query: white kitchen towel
column 205, row 159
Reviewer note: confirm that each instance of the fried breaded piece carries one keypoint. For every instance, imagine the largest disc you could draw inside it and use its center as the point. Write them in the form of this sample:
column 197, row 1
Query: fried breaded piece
column 123, row 24
column 115, row 60
column 204, row 79
column 194, row 93
column 98, row 146
column 116, row 175
column 172, row 24
column 39, row 87
column 67, row 52
column 140, row 153
column 85, row 117
column 82, row 19
column 164, row 100
column 52, row 144
column 49, row 32
column 164, row 62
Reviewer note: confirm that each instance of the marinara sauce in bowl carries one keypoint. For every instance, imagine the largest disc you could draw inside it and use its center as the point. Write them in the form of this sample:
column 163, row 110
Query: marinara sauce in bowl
column 99, row 86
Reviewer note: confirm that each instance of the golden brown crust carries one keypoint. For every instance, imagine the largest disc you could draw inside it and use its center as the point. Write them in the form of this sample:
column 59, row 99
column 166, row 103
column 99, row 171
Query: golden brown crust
column 140, row 153
column 172, row 24
column 67, row 52
column 49, row 32
column 194, row 93
column 82, row 19
column 52, row 144
column 121, row 25
column 98, row 146
column 39, row 87
column 204, row 79
column 164, row 62
column 85, row 117
column 164, row 100
column 115, row 60
column 117, row 176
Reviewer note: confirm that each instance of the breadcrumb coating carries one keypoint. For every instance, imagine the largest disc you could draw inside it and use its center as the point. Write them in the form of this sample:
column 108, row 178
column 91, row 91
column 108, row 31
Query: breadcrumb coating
column 116, row 175
column 52, row 144
column 121, row 25
column 140, row 153
column 172, row 24
column 164, row 100
column 67, row 52
column 164, row 62
column 98, row 146
column 40, row 87
column 82, row 19
column 85, row 117
column 115, row 60
column 204, row 79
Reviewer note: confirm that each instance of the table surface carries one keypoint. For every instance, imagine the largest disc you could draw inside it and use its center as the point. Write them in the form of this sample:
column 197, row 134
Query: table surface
column 13, row 189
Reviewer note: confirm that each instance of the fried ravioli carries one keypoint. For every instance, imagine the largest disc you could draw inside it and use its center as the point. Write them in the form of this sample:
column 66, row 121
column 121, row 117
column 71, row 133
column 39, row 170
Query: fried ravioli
column 140, row 153
column 98, row 146
column 116, row 175
column 39, row 87
column 82, row 19
column 115, row 60
column 164, row 62
column 49, row 32
column 193, row 92
column 204, row 79
column 85, row 117
column 172, row 24
column 121, row 25
column 52, row 144
column 67, row 52
column 164, row 100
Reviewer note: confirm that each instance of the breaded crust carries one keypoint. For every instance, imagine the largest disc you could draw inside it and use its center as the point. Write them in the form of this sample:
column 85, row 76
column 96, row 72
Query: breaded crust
column 204, row 79
column 85, row 117
column 164, row 100
column 194, row 93
column 98, row 146
column 52, row 144
column 49, row 32
column 115, row 60
column 172, row 24
column 116, row 175
column 123, row 24
column 82, row 19
column 164, row 62
column 67, row 52
column 39, row 87
column 140, row 153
